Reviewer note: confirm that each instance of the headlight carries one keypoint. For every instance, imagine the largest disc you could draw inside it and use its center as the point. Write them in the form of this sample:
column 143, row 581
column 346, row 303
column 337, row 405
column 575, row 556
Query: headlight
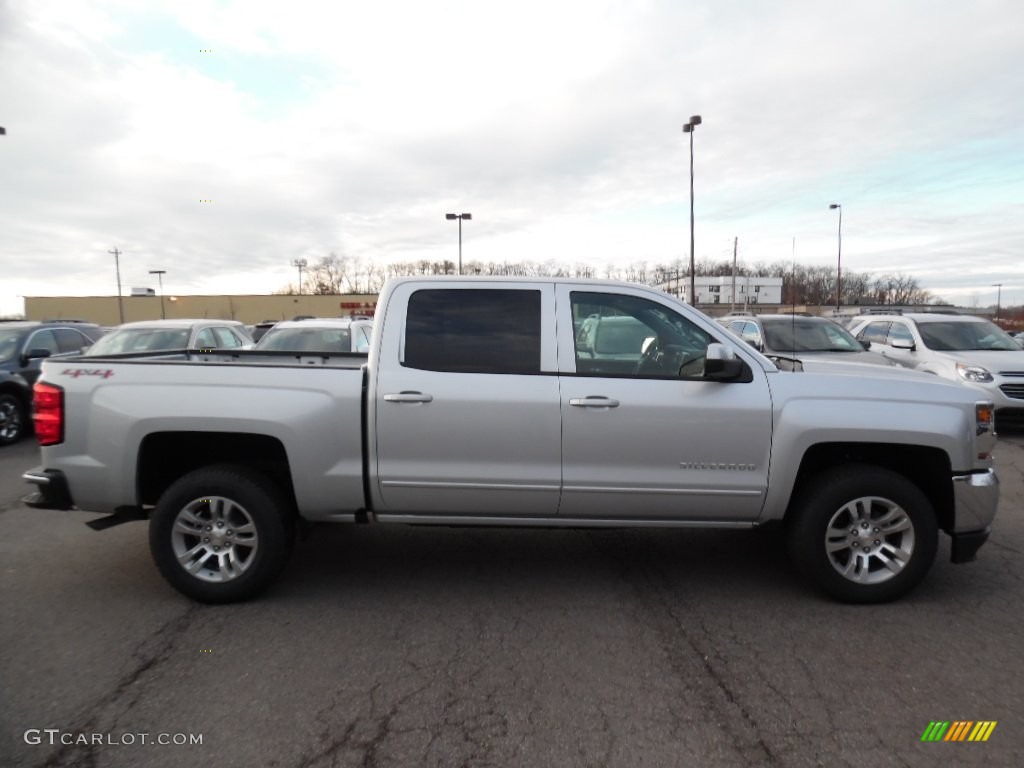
column 974, row 373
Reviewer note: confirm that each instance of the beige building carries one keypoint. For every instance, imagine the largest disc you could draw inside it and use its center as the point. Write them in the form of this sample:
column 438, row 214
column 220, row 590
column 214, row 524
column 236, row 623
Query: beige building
column 247, row 309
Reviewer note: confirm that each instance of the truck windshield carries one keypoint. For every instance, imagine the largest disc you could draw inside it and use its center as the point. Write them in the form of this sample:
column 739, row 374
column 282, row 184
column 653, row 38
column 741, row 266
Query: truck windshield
column 307, row 340
column 957, row 336
column 140, row 340
column 806, row 335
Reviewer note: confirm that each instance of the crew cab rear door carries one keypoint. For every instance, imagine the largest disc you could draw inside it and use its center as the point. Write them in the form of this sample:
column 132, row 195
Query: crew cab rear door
column 466, row 410
column 639, row 441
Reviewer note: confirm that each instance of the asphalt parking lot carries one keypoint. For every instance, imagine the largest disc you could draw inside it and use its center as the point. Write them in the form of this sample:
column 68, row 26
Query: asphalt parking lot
column 464, row 647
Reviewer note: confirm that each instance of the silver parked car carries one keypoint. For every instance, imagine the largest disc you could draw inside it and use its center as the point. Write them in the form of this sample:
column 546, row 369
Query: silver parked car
column 801, row 337
column 964, row 348
column 318, row 334
column 170, row 335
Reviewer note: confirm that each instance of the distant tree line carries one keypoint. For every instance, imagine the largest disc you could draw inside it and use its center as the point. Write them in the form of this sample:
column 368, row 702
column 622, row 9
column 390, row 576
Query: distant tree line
column 801, row 284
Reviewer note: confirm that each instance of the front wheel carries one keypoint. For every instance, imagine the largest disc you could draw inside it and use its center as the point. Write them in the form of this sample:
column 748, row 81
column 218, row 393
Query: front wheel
column 221, row 534
column 863, row 534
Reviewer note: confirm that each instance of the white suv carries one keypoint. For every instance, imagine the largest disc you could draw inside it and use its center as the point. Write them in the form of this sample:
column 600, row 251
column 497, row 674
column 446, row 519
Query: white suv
column 963, row 348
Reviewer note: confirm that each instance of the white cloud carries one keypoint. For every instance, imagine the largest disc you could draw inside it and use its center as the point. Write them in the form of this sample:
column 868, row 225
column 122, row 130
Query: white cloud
column 355, row 126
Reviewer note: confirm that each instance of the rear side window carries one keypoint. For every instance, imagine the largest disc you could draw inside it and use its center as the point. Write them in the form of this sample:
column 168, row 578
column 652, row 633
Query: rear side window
column 474, row 331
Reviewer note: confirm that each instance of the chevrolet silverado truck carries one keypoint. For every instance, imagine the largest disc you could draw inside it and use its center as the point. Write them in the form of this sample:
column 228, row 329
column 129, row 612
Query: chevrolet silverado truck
column 486, row 402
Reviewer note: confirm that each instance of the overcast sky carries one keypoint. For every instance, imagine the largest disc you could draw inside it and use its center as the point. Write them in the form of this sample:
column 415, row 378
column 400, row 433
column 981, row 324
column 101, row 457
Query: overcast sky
column 353, row 127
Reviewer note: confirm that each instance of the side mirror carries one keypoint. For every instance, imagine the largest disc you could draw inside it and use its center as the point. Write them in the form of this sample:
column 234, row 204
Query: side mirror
column 896, row 344
column 865, row 343
column 721, row 363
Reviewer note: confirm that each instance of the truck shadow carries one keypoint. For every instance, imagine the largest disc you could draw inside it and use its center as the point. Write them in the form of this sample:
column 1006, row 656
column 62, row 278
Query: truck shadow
column 349, row 558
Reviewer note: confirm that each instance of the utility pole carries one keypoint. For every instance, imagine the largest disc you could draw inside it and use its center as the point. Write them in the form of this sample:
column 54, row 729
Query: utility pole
column 695, row 120
column 160, row 276
column 117, row 265
column 732, row 303
column 999, row 297
column 301, row 264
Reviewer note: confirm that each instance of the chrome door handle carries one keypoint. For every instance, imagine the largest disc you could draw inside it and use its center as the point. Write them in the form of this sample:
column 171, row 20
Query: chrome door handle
column 594, row 401
column 408, row 397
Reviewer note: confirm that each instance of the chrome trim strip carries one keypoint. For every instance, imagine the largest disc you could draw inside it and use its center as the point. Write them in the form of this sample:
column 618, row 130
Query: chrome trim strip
column 467, row 486
column 556, row 522
column 36, row 479
column 975, row 500
column 661, row 491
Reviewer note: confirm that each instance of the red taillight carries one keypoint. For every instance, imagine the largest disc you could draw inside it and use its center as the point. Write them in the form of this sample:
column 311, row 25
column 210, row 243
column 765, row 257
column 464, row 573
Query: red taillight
column 48, row 413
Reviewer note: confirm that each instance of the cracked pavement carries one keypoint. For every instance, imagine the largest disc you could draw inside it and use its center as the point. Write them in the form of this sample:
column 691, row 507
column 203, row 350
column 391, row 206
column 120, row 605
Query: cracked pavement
column 463, row 647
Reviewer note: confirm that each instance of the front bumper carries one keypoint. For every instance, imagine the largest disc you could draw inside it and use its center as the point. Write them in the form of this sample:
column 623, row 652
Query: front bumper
column 975, row 500
column 53, row 491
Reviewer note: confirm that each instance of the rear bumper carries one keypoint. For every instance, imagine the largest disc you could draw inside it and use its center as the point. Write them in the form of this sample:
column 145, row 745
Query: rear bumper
column 52, row 490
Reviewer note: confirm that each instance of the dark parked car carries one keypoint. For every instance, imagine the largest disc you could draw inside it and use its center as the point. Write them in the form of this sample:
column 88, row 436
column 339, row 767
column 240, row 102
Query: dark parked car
column 257, row 331
column 23, row 344
column 800, row 336
column 15, row 406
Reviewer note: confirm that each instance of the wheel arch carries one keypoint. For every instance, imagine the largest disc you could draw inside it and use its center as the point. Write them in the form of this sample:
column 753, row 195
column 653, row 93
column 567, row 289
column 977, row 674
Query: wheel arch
column 926, row 467
column 166, row 456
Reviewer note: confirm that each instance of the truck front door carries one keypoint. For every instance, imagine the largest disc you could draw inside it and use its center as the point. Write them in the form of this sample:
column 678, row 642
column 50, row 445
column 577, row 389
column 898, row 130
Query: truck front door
column 640, row 441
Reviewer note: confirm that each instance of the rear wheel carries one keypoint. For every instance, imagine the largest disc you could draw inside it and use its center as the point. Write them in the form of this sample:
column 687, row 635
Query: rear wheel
column 221, row 534
column 863, row 534
column 13, row 423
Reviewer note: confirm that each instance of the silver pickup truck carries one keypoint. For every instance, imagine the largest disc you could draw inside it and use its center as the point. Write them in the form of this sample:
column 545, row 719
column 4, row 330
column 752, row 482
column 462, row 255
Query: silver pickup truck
column 487, row 402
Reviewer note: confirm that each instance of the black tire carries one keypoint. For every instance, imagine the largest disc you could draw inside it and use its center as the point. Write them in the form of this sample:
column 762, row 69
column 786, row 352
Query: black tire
column 13, row 419
column 863, row 534
column 221, row 534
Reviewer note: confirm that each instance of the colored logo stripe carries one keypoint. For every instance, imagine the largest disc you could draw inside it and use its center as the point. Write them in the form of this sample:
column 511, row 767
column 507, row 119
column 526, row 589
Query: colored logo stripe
column 982, row 731
column 958, row 730
column 935, row 731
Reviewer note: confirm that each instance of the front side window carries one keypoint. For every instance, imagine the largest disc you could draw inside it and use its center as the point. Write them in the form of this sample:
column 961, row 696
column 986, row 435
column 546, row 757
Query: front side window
column 43, row 340
column 226, row 338
column 205, row 339
column 875, row 332
column 899, row 333
column 628, row 336
column 473, row 331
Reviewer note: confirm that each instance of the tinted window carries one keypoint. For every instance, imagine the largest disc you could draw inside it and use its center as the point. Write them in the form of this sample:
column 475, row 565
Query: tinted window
column 70, row 340
column 474, row 331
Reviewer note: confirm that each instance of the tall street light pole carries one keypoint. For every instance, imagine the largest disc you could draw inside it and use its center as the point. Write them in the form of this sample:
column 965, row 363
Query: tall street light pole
column 301, row 264
column 689, row 128
column 839, row 258
column 460, row 217
column 999, row 297
column 117, row 266
column 160, row 276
